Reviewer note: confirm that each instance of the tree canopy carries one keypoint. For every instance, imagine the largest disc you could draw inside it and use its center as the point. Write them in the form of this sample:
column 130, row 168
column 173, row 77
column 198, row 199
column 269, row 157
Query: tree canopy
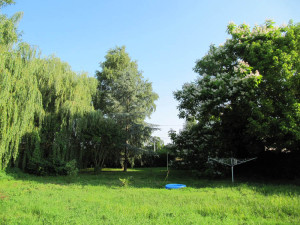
column 47, row 113
column 247, row 92
column 124, row 95
column 246, row 100
column 53, row 119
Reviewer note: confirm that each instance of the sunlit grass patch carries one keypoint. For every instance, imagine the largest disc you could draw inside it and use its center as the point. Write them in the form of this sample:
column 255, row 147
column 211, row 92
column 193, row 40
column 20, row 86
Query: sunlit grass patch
column 100, row 199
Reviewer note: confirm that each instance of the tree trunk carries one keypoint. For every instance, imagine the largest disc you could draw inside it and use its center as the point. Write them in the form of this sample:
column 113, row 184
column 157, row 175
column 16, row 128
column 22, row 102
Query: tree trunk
column 126, row 149
column 96, row 162
column 97, row 169
column 126, row 159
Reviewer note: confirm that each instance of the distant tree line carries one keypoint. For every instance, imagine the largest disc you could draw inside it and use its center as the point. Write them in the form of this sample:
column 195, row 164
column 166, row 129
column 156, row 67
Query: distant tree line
column 54, row 120
column 245, row 102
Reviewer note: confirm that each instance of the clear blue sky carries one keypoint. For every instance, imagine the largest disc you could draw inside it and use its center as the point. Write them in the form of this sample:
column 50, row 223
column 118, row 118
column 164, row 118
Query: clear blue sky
column 166, row 37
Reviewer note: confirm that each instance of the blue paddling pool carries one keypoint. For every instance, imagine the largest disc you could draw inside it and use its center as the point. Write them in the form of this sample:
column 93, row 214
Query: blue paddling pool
column 175, row 186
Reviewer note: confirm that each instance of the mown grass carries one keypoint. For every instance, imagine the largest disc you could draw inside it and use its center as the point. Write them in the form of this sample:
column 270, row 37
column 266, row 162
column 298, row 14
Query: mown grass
column 101, row 199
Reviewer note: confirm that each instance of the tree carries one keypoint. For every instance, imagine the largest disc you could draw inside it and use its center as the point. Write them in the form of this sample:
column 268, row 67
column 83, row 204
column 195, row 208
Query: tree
column 6, row 2
column 99, row 136
column 66, row 97
column 193, row 145
column 154, row 143
column 40, row 101
column 248, row 90
column 125, row 96
column 20, row 99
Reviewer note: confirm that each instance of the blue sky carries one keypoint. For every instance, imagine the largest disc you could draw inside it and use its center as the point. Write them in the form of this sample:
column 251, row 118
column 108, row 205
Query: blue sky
column 165, row 37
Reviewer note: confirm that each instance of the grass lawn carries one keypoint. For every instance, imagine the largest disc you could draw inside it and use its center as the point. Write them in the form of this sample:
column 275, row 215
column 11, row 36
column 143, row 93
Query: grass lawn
column 100, row 199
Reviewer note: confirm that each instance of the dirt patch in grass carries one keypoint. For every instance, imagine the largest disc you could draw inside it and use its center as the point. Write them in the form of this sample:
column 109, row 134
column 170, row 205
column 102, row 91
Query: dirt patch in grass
column 3, row 196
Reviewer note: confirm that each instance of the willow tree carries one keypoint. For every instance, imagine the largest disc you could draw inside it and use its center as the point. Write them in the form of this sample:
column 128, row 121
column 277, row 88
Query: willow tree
column 66, row 96
column 124, row 95
column 20, row 99
column 6, row 2
column 40, row 101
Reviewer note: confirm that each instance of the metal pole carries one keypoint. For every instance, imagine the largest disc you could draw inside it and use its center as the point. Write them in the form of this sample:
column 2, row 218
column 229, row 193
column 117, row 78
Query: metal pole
column 232, row 169
column 232, row 174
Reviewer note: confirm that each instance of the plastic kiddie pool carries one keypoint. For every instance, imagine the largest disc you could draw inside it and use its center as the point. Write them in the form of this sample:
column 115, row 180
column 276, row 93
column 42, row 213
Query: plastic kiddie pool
column 175, row 186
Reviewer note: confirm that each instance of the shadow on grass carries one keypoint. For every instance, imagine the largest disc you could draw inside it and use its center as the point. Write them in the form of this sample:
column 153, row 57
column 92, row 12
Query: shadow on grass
column 157, row 178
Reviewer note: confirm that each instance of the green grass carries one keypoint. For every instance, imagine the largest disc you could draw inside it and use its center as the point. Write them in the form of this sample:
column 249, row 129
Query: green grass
column 100, row 199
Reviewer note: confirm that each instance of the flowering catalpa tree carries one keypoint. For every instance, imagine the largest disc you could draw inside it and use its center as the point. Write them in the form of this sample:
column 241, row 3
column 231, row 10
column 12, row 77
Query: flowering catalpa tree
column 248, row 89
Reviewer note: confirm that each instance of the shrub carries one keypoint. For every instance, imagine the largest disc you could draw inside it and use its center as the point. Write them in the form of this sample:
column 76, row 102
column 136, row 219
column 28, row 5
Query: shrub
column 71, row 169
column 54, row 167
column 126, row 181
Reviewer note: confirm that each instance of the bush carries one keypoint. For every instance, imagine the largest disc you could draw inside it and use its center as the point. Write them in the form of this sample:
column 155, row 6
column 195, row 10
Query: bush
column 125, row 181
column 71, row 169
column 52, row 167
column 213, row 171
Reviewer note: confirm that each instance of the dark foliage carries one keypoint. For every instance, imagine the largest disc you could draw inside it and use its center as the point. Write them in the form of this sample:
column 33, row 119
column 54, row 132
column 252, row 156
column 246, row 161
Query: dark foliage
column 42, row 167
